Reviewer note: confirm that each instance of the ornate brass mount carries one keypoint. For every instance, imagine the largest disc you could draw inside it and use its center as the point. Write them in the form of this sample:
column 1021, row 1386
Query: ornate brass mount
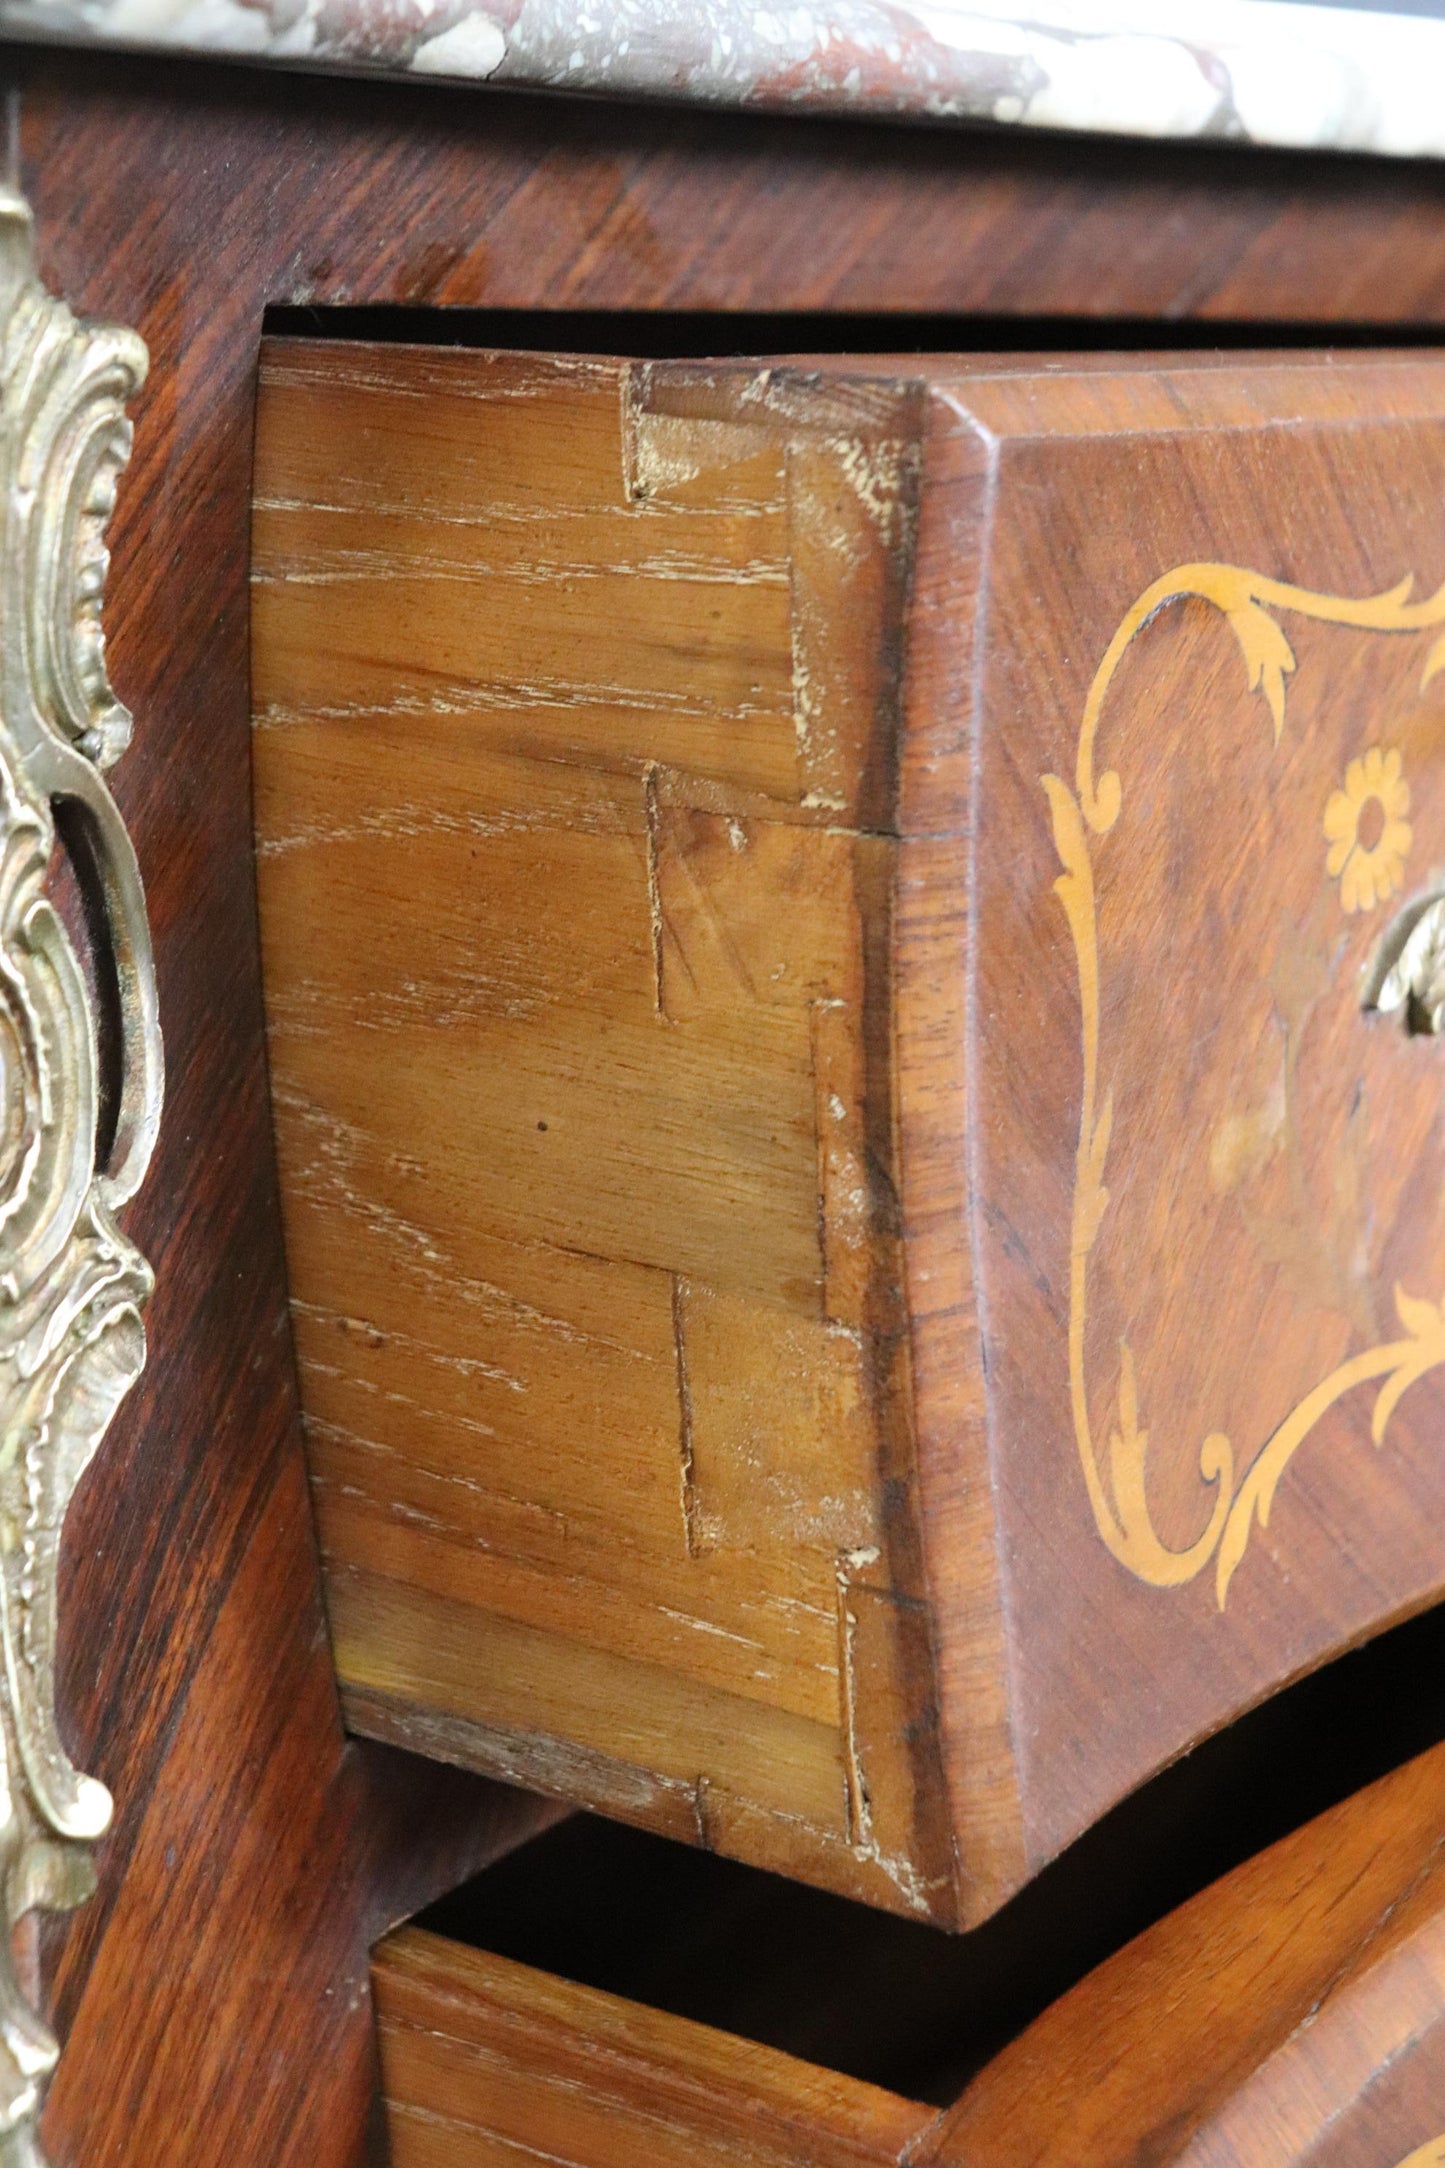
column 1407, row 978
column 71, row 1286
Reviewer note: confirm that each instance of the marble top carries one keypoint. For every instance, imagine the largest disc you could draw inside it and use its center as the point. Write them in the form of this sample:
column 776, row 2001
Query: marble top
column 1362, row 77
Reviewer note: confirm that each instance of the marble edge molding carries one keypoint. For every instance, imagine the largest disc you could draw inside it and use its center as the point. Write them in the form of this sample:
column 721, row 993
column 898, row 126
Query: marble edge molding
column 1279, row 72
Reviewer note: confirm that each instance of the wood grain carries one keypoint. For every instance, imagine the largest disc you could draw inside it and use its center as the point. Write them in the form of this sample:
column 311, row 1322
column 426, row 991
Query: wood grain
column 186, row 200
column 623, row 1014
column 575, row 947
column 1291, row 2013
column 486, row 2063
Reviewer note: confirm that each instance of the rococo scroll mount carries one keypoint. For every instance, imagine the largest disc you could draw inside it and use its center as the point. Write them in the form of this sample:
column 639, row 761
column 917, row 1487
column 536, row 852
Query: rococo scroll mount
column 73, row 1146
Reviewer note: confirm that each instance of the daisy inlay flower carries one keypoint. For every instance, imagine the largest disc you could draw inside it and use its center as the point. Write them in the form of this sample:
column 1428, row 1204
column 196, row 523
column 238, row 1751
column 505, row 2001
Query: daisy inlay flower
column 1367, row 832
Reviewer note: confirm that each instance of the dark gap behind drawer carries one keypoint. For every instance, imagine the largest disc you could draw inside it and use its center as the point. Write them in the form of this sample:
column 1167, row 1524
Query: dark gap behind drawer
column 684, row 335
column 904, row 2005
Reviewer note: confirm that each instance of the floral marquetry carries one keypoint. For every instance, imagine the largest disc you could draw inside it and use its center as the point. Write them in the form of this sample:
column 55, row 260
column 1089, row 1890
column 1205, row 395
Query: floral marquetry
column 1369, row 838
column 1367, row 832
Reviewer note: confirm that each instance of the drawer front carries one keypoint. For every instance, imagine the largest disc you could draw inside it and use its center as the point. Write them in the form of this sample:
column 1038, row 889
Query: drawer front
column 849, row 964
column 1207, row 1150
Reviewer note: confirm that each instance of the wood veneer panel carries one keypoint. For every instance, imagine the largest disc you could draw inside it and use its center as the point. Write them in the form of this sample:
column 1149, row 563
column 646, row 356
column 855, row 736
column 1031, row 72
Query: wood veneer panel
column 511, row 201
column 1229, row 1260
column 894, row 1081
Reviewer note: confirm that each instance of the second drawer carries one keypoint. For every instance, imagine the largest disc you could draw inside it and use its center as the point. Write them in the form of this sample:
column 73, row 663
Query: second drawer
column 1289, row 2014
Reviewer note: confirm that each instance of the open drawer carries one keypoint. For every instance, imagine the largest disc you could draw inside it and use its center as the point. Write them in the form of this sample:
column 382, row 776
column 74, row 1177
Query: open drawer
column 851, row 955
column 1293, row 2013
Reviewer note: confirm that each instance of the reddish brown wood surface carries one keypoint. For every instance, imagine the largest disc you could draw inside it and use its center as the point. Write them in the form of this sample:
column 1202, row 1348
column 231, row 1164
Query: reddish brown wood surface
column 1205, row 1180
column 304, row 190
column 184, row 200
column 1294, row 2013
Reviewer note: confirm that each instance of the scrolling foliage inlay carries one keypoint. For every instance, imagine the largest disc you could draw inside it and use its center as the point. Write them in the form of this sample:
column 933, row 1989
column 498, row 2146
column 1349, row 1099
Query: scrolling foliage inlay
column 72, row 1287
column 1431, row 2155
column 1116, row 1480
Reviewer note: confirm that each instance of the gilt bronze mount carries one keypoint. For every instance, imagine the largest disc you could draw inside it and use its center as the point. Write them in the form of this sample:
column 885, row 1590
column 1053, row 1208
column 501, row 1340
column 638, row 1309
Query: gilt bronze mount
column 80, row 1075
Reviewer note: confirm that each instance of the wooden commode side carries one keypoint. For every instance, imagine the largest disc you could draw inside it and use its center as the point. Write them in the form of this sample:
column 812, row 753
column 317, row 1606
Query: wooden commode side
column 857, row 1120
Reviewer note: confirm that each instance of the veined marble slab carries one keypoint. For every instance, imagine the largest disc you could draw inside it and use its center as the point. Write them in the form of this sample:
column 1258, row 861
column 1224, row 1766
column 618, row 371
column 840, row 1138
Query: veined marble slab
column 1364, row 77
